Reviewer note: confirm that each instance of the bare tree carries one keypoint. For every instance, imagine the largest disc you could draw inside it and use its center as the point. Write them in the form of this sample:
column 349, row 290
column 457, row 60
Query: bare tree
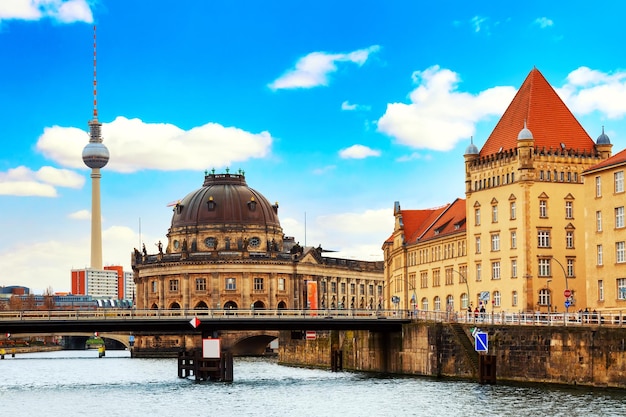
column 48, row 299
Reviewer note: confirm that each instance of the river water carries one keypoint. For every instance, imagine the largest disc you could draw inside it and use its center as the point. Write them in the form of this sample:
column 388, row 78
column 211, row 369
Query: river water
column 78, row 383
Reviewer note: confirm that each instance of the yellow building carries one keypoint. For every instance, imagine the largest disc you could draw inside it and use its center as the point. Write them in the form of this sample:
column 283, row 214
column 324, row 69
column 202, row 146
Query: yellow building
column 524, row 239
column 605, row 231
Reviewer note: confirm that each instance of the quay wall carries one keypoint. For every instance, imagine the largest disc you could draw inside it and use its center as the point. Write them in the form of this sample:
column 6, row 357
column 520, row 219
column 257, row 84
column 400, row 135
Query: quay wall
column 566, row 355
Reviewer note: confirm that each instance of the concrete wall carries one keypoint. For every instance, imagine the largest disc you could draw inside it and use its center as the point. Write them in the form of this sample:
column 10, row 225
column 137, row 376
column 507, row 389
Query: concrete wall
column 593, row 356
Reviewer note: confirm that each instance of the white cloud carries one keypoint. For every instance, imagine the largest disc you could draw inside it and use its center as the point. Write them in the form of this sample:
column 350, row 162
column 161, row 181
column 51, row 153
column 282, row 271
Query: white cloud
column 313, row 69
column 65, row 11
column 323, row 170
column 352, row 107
column 358, row 152
column 135, row 145
column 56, row 258
column 544, row 22
column 24, row 182
column 80, row 215
column 438, row 115
column 478, row 23
column 344, row 233
column 588, row 90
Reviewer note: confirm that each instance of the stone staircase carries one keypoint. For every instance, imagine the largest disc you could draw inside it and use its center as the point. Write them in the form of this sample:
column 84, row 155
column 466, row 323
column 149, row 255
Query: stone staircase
column 468, row 346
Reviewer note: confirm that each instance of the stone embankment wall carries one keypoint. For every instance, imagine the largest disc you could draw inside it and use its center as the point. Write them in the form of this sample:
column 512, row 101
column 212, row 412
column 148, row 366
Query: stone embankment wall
column 589, row 355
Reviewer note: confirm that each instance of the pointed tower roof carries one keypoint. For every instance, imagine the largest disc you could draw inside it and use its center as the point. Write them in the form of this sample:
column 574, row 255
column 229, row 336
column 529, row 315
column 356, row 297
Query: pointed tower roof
column 546, row 116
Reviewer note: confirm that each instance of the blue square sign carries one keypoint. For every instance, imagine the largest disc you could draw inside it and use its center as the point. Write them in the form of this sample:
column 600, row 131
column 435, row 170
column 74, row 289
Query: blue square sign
column 481, row 343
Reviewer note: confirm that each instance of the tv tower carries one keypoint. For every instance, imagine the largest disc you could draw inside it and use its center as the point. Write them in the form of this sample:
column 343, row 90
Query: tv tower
column 95, row 156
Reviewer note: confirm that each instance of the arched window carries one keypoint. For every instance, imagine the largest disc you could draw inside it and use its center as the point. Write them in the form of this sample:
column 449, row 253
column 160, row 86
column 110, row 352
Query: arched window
column 425, row 304
column 437, row 303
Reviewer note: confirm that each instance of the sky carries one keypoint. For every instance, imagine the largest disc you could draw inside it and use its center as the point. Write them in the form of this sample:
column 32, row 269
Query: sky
column 333, row 109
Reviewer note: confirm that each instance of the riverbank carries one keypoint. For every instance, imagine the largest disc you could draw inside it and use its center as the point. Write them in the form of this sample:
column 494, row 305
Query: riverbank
column 29, row 349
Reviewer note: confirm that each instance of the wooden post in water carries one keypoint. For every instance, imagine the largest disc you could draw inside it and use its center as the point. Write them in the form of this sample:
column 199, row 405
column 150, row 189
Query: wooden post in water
column 487, row 369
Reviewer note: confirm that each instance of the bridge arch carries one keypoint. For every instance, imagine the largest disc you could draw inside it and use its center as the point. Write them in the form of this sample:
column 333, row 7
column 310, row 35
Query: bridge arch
column 230, row 305
column 258, row 305
column 282, row 305
column 250, row 343
column 201, row 306
column 174, row 306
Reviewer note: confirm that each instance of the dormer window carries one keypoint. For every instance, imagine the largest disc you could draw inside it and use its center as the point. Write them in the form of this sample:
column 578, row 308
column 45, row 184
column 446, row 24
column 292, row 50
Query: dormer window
column 211, row 204
column 252, row 204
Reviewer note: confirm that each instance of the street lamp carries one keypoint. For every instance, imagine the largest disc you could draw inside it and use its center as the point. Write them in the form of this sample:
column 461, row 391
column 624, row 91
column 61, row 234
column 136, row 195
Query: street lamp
column 567, row 291
column 466, row 284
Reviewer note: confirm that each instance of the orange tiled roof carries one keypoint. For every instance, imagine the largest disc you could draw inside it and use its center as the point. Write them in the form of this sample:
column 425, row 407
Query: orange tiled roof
column 617, row 159
column 546, row 116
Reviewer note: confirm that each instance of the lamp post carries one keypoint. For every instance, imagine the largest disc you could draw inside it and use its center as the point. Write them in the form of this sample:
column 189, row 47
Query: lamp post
column 466, row 284
column 566, row 285
column 549, row 297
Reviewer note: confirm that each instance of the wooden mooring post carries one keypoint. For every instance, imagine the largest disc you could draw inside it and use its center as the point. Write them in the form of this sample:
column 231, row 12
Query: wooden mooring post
column 487, row 369
column 191, row 363
column 336, row 360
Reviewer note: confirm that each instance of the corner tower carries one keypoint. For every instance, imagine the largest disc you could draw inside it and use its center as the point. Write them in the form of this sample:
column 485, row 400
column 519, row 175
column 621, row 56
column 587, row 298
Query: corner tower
column 95, row 156
column 525, row 203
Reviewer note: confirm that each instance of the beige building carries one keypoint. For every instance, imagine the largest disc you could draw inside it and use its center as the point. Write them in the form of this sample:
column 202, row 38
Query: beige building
column 605, row 232
column 226, row 249
column 524, row 238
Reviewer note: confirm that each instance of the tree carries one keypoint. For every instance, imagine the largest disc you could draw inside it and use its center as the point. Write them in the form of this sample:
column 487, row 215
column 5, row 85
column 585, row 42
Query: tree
column 48, row 299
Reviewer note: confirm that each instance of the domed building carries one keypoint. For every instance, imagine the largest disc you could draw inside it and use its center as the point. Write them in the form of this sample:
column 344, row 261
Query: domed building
column 226, row 249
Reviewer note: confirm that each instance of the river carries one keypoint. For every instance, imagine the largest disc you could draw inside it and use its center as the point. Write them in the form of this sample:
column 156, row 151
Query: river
column 78, row 383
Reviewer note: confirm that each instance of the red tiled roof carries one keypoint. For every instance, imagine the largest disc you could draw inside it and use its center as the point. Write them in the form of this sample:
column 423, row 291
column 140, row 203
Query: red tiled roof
column 617, row 159
column 546, row 116
column 447, row 221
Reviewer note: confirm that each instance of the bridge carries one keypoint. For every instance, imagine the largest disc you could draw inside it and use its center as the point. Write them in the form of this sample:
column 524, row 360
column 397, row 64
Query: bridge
column 179, row 321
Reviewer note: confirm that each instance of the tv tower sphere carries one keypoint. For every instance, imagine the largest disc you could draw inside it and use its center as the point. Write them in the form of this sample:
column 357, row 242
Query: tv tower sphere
column 95, row 155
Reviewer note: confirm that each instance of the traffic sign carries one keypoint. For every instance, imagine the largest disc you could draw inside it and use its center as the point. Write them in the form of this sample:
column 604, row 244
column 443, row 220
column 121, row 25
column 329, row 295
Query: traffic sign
column 481, row 342
column 567, row 304
column 484, row 296
column 311, row 335
column 195, row 322
column 567, row 293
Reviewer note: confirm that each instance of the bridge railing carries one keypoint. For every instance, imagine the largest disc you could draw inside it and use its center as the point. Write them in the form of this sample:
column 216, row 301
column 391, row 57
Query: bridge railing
column 154, row 314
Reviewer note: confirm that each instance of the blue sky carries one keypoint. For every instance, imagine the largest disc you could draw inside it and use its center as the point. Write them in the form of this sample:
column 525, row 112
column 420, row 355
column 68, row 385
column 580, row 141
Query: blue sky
column 334, row 109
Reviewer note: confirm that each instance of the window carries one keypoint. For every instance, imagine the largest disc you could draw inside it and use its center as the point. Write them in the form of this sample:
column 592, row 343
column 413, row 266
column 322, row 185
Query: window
column 200, row 284
column 154, row 286
column 437, row 303
column 621, row 288
column 258, row 284
column 425, row 304
column 544, row 267
column 620, row 254
column 424, row 280
column 513, row 268
column 569, row 239
column 598, row 187
column 231, row 284
column 361, row 289
column 598, row 221
column 495, row 242
column 333, row 288
column 513, row 210
column 477, row 244
column 371, row 289
column 436, row 278
column 514, row 298
column 173, row 285
column 619, row 181
column 544, row 297
column 449, row 277
column 543, row 238
column 343, row 287
column 497, row 299
column 600, row 290
column 599, row 260
column 450, row 303
column 619, row 217
column 569, row 209
column 353, row 286
column 570, row 268
column 477, row 216
column 281, row 284
column 494, row 214
column 464, row 301
column 495, row 270
column 478, row 272
column 513, row 239
column 543, row 208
